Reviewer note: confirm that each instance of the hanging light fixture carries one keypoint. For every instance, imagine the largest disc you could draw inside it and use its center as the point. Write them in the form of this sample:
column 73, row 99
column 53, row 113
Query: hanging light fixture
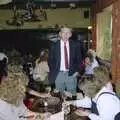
column 89, row 27
column 72, row 5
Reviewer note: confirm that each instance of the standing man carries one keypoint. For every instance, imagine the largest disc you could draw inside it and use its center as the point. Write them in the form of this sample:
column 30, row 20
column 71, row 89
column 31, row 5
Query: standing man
column 64, row 59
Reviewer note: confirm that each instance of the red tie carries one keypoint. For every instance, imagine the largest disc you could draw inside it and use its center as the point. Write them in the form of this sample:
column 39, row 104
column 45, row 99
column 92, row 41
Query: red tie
column 66, row 56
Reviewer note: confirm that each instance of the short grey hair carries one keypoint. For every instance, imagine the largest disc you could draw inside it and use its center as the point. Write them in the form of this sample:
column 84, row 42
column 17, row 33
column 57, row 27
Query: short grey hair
column 65, row 26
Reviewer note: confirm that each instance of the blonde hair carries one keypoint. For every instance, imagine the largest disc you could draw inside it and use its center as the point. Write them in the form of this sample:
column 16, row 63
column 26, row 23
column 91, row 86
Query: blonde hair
column 92, row 86
column 13, row 89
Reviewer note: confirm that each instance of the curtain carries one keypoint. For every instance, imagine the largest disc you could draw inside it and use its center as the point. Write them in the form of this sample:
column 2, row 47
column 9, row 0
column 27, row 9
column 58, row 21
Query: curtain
column 104, row 34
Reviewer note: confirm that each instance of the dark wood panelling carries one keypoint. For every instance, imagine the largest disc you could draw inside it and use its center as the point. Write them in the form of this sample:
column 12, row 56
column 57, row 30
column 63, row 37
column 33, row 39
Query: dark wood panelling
column 116, row 41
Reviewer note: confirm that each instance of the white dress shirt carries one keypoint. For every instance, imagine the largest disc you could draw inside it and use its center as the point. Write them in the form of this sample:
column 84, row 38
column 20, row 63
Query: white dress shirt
column 108, row 105
column 62, row 63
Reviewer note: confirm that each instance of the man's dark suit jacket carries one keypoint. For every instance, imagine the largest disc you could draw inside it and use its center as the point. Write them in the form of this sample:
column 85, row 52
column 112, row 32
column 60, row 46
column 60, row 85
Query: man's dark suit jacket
column 54, row 59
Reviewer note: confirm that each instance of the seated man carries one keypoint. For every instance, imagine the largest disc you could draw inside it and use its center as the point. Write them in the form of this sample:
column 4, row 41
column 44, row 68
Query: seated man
column 104, row 105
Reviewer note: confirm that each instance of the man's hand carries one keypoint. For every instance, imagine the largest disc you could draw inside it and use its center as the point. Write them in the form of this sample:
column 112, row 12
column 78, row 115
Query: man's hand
column 75, row 74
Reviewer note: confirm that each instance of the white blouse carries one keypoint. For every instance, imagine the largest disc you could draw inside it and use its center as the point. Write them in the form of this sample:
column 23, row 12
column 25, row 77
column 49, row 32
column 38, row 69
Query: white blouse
column 108, row 105
column 12, row 112
column 41, row 71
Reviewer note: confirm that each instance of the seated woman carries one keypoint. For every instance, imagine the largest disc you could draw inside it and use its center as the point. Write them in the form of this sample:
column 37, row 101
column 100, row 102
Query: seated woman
column 104, row 105
column 12, row 92
column 87, row 67
column 90, row 64
column 100, row 61
column 36, row 89
column 40, row 72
